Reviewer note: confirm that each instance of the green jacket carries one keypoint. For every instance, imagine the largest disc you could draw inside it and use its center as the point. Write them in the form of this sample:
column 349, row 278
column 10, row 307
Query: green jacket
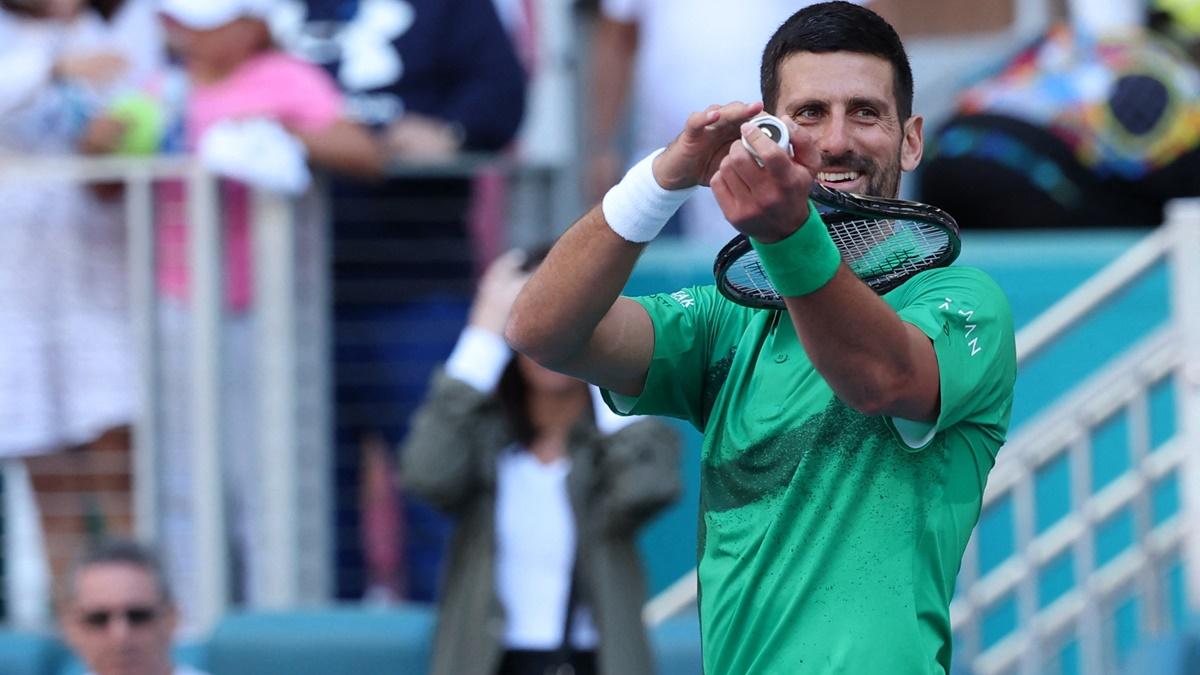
column 617, row 483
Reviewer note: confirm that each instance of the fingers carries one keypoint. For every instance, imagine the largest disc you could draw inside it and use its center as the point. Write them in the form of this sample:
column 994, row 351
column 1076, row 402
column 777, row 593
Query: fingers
column 498, row 290
column 507, row 264
column 733, row 195
column 693, row 156
column 738, row 184
column 767, row 200
column 743, row 172
column 503, row 271
column 102, row 136
column 697, row 122
column 720, row 120
column 804, row 150
column 769, row 154
column 733, row 184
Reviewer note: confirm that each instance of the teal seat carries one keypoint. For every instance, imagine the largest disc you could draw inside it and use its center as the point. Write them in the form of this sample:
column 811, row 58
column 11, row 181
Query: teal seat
column 676, row 644
column 323, row 642
column 24, row 653
column 193, row 654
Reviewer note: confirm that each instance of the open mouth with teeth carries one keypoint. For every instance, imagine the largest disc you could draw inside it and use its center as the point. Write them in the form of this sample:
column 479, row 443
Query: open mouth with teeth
column 834, row 178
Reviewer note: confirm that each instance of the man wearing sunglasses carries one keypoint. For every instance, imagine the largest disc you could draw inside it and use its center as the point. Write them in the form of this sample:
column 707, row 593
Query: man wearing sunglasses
column 117, row 612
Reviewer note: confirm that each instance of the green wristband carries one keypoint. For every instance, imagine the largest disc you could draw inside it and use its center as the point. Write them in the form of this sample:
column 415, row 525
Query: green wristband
column 803, row 261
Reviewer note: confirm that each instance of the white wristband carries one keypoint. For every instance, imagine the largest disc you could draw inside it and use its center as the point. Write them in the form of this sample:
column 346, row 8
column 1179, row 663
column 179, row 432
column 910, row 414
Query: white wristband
column 479, row 359
column 638, row 207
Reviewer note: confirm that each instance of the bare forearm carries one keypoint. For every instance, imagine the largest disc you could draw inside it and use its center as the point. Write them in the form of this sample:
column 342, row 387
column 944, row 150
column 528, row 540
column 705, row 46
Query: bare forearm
column 874, row 361
column 570, row 316
column 345, row 148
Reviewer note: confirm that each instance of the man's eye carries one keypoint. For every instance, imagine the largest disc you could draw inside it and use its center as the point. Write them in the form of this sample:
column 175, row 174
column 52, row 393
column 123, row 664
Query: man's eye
column 866, row 113
column 806, row 114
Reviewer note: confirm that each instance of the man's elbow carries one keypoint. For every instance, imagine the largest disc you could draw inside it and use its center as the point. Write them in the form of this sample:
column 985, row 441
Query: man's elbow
column 532, row 338
column 882, row 395
column 872, row 405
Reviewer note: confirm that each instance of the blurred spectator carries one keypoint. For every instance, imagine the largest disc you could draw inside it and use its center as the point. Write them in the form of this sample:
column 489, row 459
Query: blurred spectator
column 253, row 113
column 1097, row 124
column 438, row 80
column 659, row 55
column 548, row 490
column 66, row 369
column 117, row 612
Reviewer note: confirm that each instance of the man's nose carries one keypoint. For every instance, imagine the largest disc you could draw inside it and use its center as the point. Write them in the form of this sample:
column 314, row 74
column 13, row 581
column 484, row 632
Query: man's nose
column 833, row 140
column 118, row 628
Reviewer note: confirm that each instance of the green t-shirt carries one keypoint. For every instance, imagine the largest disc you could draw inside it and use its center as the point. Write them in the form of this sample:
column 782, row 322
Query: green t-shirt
column 828, row 543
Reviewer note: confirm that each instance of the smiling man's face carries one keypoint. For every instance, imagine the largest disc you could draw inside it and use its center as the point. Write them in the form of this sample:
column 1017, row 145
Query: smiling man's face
column 846, row 102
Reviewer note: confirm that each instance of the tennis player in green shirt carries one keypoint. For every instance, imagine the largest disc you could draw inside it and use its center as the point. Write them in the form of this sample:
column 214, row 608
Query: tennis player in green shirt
column 848, row 439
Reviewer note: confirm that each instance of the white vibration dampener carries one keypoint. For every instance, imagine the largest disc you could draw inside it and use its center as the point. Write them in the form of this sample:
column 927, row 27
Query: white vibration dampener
column 775, row 129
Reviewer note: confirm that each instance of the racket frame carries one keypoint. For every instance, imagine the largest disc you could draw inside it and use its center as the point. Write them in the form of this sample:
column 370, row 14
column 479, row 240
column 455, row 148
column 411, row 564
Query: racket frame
column 878, row 208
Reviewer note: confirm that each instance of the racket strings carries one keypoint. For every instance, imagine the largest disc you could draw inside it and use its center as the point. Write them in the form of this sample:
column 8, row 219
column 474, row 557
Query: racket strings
column 878, row 251
column 748, row 277
column 888, row 248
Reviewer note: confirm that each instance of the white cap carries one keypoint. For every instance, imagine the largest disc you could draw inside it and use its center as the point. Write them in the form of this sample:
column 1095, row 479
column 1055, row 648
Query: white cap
column 209, row 14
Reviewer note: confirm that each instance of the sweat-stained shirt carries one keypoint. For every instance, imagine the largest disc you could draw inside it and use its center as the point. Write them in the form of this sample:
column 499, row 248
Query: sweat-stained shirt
column 829, row 540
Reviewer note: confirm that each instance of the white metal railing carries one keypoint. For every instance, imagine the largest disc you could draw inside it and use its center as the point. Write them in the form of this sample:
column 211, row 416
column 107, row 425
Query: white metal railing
column 1066, row 431
column 293, row 441
column 292, row 364
column 1171, row 352
column 1167, row 357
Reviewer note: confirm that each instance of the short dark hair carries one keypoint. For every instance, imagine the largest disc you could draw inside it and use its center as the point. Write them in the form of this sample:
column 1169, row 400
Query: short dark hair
column 838, row 27
column 118, row 551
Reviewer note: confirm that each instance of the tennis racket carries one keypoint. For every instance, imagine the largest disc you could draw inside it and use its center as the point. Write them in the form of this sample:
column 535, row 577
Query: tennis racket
column 883, row 241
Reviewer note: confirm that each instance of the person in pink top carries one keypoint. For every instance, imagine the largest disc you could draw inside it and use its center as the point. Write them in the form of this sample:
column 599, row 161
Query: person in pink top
column 258, row 118
column 235, row 74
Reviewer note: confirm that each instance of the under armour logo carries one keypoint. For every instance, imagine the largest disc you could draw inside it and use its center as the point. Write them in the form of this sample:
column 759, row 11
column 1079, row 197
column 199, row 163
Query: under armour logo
column 362, row 47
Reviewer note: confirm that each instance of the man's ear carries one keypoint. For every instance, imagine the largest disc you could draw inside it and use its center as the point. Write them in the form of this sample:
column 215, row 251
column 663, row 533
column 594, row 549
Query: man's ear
column 912, row 146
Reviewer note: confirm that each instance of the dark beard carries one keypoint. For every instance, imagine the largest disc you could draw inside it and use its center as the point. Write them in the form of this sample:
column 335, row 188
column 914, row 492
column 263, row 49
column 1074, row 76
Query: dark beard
column 881, row 181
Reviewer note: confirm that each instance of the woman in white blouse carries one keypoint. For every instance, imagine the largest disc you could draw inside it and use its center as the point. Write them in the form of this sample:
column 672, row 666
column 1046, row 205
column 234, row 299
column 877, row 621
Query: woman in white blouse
column 548, row 489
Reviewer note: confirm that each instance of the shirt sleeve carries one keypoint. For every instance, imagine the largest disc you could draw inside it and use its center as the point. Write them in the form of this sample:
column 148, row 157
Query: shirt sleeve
column 483, row 84
column 968, row 319
column 479, row 359
column 687, row 333
column 309, row 97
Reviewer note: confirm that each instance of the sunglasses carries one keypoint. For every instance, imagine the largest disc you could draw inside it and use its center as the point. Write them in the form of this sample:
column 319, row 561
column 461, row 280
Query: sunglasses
column 134, row 616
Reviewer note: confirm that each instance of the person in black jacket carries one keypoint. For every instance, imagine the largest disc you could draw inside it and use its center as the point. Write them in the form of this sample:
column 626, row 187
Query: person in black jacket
column 435, row 79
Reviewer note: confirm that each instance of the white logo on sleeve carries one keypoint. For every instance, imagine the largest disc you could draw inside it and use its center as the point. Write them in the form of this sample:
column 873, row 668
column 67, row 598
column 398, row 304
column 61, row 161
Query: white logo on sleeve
column 968, row 327
column 683, row 297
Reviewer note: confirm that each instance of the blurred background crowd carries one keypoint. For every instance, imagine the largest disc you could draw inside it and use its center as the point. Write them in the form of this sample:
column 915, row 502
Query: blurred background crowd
column 364, row 165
